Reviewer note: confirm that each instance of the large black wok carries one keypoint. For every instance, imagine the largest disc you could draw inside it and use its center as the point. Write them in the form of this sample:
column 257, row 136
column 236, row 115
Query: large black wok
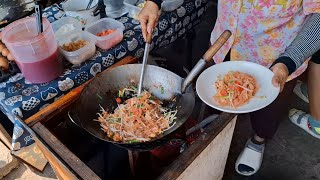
column 163, row 84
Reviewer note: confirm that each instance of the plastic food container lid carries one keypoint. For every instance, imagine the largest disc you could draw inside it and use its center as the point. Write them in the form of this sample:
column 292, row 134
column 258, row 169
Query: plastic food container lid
column 66, row 25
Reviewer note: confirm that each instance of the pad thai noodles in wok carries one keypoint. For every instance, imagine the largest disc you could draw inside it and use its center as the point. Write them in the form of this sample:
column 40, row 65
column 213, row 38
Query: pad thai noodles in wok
column 137, row 118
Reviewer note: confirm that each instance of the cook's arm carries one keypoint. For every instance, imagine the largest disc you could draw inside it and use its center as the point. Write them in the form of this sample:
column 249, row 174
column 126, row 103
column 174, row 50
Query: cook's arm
column 306, row 44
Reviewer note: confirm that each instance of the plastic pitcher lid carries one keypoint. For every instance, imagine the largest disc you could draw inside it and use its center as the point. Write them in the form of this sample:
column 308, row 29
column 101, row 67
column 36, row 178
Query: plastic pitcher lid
column 7, row 35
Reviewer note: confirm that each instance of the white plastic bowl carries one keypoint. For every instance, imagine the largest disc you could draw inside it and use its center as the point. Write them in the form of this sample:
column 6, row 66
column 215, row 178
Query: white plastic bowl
column 77, row 9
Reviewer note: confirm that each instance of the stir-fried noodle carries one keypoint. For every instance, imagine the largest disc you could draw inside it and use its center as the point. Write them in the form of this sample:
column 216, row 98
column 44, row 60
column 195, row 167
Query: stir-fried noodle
column 235, row 89
column 137, row 119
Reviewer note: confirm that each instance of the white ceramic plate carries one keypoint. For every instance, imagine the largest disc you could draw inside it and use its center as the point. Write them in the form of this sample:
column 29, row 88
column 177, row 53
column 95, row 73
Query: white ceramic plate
column 206, row 89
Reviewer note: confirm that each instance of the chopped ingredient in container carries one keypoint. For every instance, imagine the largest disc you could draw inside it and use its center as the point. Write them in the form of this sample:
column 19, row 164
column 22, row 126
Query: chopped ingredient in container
column 75, row 45
column 65, row 29
column 106, row 32
column 141, row 5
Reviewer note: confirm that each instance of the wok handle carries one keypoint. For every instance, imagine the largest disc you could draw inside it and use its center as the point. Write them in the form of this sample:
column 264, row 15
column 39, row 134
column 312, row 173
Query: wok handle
column 71, row 119
column 206, row 58
column 217, row 45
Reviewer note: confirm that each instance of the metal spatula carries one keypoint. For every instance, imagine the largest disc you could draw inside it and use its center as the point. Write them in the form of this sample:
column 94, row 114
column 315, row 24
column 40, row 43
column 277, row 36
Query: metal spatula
column 145, row 60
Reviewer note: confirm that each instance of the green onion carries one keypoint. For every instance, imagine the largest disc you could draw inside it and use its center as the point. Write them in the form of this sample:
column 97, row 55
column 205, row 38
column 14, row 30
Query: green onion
column 162, row 90
column 134, row 88
column 119, row 94
column 224, row 97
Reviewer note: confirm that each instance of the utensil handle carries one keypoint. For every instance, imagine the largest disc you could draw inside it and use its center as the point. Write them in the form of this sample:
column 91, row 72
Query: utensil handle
column 217, row 45
column 197, row 69
column 149, row 38
column 38, row 12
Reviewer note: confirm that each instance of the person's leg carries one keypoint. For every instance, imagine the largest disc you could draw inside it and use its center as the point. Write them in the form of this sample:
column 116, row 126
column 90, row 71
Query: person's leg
column 310, row 122
column 264, row 122
column 313, row 89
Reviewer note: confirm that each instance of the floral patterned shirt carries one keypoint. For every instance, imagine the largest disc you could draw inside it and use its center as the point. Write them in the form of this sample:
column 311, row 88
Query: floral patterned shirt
column 262, row 29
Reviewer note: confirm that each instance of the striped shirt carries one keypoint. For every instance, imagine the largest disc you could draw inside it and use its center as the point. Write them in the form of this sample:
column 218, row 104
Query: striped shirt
column 306, row 44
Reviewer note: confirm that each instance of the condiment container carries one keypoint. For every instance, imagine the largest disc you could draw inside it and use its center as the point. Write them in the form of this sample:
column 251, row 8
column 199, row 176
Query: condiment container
column 65, row 25
column 108, row 41
column 36, row 54
column 132, row 7
column 81, row 55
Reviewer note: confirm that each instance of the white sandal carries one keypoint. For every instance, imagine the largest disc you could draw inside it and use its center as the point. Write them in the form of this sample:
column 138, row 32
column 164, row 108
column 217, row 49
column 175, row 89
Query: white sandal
column 300, row 119
column 250, row 159
column 299, row 92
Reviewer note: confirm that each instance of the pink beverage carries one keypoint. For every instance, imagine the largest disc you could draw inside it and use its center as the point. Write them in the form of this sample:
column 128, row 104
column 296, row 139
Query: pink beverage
column 42, row 71
column 36, row 54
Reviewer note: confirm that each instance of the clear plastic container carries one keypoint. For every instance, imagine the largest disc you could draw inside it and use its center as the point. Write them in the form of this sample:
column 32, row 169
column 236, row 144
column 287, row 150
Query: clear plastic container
column 106, row 42
column 133, row 2
column 81, row 55
column 114, row 8
column 36, row 54
column 133, row 11
column 132, row 7
column 171, row 5
column 65, row 25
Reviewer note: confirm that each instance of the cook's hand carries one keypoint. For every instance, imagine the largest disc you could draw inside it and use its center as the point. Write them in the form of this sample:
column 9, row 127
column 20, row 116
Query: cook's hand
column 148, row 18
column 281, row 74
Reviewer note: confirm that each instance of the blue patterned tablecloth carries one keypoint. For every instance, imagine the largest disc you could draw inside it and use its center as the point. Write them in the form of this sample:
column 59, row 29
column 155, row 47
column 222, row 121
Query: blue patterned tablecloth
column 19, row 98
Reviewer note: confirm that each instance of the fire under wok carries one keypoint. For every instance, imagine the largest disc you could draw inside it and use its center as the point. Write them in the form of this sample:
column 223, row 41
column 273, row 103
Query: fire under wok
column 161, row 83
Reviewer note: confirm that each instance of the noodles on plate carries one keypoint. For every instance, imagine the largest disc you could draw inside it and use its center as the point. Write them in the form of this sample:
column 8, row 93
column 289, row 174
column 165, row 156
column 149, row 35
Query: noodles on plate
column 235, row 89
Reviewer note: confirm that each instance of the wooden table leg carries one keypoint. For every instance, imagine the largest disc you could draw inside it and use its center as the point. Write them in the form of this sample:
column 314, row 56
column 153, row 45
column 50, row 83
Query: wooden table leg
column 5, row 137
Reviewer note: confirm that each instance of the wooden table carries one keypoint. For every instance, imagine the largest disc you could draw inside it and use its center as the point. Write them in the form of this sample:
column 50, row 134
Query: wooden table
column 196, row 161
column 65, row 164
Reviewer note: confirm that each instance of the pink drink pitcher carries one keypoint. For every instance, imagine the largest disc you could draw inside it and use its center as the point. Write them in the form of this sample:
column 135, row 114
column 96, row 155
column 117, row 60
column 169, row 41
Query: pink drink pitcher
column 36, row 54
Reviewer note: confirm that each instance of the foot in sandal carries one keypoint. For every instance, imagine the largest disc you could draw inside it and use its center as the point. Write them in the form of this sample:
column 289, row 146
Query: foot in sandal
column 301, row 90
column 305, row 121
column 250, row 159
